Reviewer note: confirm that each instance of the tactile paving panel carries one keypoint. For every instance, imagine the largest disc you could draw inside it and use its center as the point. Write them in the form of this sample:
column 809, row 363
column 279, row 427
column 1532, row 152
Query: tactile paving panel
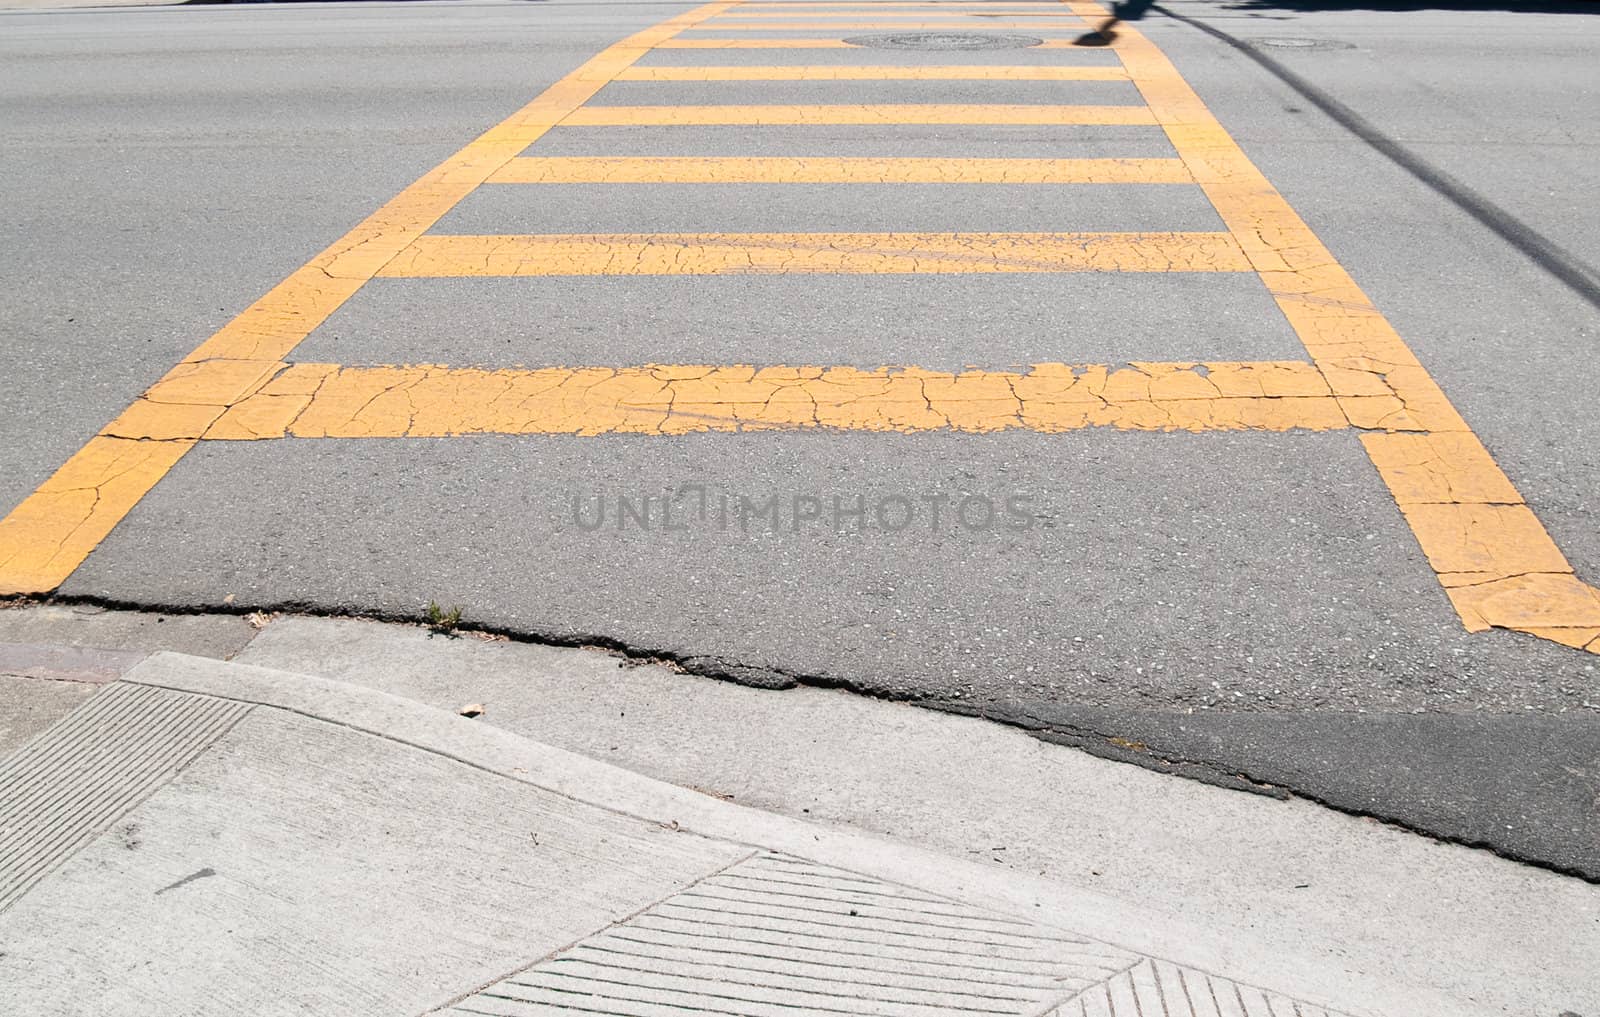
column 776, row 936
column 78, row 778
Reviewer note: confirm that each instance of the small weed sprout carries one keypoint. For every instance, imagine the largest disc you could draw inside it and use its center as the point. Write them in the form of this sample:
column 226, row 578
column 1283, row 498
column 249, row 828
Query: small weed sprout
column 442, row 621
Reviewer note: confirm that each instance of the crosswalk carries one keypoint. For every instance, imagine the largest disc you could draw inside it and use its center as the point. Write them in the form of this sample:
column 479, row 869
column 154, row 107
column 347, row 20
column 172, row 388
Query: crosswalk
column 1494, row 559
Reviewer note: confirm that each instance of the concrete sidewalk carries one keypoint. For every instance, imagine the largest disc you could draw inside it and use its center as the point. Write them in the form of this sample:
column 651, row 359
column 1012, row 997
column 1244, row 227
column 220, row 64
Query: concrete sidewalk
column 72, row 5
column 198, row 836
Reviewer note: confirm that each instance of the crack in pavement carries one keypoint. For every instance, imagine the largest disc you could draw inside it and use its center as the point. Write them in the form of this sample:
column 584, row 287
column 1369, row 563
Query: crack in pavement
column 1115, row 742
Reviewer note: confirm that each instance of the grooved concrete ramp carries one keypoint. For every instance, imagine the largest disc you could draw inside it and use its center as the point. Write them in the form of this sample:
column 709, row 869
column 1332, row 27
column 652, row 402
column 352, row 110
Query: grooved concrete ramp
column 779, row 935
column 80, row 776
column 222, row 839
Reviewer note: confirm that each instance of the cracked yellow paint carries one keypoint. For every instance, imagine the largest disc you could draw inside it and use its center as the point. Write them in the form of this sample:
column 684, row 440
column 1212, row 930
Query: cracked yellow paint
column 1025, row 22
column 756, row 44
column 1445, row 468
column 904, row 113
column 1496, row 561
column 46, row 537
column 1464, row 538
column 330, row 401
column 447, row 256
column 192, row 395
column 1551, row 605
column 1497, row 564
column 803, row 43
column 932, row 5
column 744, row 11
column 43, row 539
column 825, row 72
column 214, row 382
column 824, row 170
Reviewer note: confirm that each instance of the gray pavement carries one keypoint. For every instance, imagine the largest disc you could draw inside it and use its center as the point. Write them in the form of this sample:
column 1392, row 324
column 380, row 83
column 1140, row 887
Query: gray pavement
column 299, row 842
column 872, row 208
column 168, row 166
column 28, row 707
column 1021, row 320
column 1098, row 633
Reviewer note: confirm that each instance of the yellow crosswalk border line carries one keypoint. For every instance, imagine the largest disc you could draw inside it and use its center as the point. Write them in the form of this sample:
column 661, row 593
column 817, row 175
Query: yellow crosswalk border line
column 906, row 113
column 45, row 538
column 986, row 24
column 756, row 44
column 55, row 527
column 979, row 17
column 930, row 5
column 1497, row 563
column 825, row 72
column 330, row 401
column 804, row 43
column 1493, row 557
column 445, row 256
column 828, row 170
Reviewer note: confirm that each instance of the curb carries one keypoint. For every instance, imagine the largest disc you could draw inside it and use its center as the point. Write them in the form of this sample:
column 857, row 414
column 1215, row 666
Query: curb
column 587, row 781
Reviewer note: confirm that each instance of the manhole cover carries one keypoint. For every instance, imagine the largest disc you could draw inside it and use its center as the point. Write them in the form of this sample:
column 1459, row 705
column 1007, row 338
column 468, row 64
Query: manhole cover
column 945, row 41
column 1301, row 44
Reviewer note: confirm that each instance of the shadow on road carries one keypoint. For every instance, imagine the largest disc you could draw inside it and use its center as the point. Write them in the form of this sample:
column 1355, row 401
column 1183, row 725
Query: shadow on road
column 1577, row 275
column 1402, row 6
column 1134, row 10
column 1124, row 10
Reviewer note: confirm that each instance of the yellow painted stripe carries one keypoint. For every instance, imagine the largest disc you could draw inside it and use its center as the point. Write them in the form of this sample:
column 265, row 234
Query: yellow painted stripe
column 1498, row 564
column 824, row 170
column 756, row 44
column 1031, row 24
column 931, row 5
column 49, row 534
column 743, row 12
column 330, row 401
column 804, row 43
column 826, row 72
column 698, row 116
column 56, row 526
column 442, row 256
column 1493, row 556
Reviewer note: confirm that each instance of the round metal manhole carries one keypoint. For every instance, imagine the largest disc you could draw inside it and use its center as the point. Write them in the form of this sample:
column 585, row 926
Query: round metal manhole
column 1302, row 44
column 945, row 41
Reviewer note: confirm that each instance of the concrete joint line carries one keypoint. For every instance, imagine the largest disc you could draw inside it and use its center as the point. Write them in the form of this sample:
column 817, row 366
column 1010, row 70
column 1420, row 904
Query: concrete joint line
column 1070, row 912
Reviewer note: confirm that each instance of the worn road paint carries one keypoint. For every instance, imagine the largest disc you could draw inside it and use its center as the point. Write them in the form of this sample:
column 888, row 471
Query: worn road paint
column 930, row 5
column 873, row 115
column 330, row 401
column 1493, row 557
column 444, row 256
column 56, row 526
column 1496, row 561
column 49, row 534
column 910, row 11
column 828, row 170
column 987, row 24
column 801, row 43
column 756, row 44
column 825, row 72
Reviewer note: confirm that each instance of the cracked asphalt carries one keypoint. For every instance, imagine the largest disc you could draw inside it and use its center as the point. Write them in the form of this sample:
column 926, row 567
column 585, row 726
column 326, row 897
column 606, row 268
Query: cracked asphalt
column 852, row 487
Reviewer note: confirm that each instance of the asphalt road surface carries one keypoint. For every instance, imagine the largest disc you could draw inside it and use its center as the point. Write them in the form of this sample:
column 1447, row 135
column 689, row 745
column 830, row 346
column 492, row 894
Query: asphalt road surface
column 1308, row 509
